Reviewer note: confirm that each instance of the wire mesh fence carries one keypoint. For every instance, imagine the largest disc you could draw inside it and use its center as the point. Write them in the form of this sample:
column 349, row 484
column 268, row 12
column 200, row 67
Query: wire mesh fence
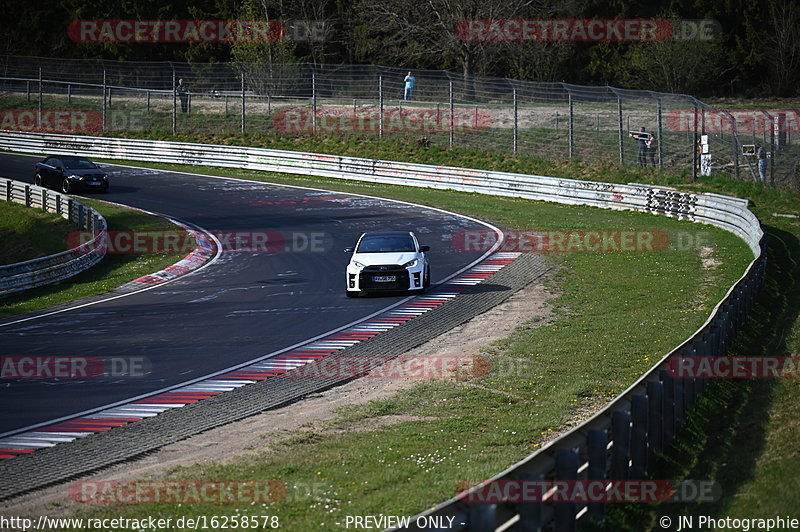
column 552, row 120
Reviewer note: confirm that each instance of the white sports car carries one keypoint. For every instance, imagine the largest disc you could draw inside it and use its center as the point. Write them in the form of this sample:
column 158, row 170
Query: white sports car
column 391, row 261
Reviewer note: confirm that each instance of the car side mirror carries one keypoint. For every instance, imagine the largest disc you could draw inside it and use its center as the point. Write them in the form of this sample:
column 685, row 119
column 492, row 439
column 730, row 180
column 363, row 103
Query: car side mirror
column 424, row 248
column 349, row 250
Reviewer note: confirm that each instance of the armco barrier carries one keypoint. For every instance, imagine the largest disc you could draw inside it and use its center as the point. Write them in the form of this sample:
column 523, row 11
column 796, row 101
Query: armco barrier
column 618, row 441
column 53, row 268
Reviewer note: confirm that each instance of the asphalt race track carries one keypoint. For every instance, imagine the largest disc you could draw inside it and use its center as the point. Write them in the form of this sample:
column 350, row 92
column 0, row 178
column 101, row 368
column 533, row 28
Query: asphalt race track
column 243, row 306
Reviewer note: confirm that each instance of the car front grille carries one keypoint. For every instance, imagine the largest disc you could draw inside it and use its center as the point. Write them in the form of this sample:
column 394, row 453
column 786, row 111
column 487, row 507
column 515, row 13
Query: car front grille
column 400, row 283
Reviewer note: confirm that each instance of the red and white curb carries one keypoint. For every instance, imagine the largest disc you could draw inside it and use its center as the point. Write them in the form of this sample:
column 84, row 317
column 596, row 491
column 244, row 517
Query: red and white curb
column 64, row 431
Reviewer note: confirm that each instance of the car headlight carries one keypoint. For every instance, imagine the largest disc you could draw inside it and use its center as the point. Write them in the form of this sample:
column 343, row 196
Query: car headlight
column 73, row 176
column 411, row 263
column 357, row 264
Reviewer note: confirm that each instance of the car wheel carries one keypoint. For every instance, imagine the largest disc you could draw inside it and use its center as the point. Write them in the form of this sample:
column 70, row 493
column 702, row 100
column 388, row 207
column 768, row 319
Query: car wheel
column 105, row 190
column 427, row 281
column 350, row 293
column 66, row 186
column 37, row 179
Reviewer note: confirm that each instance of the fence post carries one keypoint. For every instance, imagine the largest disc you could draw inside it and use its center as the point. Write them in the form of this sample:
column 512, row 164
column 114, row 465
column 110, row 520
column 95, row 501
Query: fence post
column 105, row 102
column 452, row 112
column 773, row 149
column 620, row 452
column 28, row 90
column 109, row 97
column 41, row 106
column 174, row 104
column 655, row 416
column 530, row 512
column 482, row 516
column 597, row 445
column 380, row 106
column 669, row 406
column 516, row 123
column 314, row 102
column 571, row 127
column 226, row 104
column 244, row 103
column 694, row 146
column 638, row 437
column 621, row 132
column 69, row 93
column 566, row 469
column 660, row 139
column 148, row 101
column 736, row 147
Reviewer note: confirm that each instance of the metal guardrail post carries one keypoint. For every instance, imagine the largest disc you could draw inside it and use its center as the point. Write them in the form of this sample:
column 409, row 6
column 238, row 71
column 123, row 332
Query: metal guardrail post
column 44, row 199
column 621, row 451
column 482, row 516
column 655, row 416
column 566, row 469
column 639, row 408
column 596, row 447
column 530, row 512
column 27, row 195
column 668, row 407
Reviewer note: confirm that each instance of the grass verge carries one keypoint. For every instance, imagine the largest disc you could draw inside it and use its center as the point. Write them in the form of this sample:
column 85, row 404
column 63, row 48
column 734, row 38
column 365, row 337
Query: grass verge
column 114, row 270
column 27, row 233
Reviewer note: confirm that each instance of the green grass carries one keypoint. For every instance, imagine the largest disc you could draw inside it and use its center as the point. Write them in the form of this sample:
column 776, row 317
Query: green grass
column 27, row 233
column 615, row 315
column 113, row 271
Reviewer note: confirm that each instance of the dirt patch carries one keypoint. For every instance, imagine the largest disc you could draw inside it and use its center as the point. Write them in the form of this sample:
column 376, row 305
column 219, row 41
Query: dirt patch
column 312, row 414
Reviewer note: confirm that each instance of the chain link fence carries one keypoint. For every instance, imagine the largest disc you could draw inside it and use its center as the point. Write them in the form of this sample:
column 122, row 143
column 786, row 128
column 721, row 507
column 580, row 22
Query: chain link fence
column 556, row 121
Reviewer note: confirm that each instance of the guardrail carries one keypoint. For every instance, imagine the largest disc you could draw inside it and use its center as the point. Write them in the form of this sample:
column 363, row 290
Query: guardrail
column 617, row 442
column 53, row 268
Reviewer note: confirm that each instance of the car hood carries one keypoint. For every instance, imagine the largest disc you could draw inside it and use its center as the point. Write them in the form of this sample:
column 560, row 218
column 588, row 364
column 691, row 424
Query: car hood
column 87, row 172
column 372, row 259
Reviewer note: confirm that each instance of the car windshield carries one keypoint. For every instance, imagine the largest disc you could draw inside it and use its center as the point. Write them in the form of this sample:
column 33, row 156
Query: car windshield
column 79, row 164
column 385, row 244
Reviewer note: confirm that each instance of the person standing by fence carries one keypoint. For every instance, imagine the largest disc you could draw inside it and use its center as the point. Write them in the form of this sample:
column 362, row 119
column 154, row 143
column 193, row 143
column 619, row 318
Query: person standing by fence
column 183, row 93
column 411, row 81
column 761, row 156
column 641, row 138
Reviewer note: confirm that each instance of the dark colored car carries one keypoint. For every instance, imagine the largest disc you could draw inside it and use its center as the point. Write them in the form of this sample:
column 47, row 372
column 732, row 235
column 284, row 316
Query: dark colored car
column 70, row 174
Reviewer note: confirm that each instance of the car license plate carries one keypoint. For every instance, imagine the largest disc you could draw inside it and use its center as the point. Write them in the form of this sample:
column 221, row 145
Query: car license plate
column 94, row 182
column 384, row 278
